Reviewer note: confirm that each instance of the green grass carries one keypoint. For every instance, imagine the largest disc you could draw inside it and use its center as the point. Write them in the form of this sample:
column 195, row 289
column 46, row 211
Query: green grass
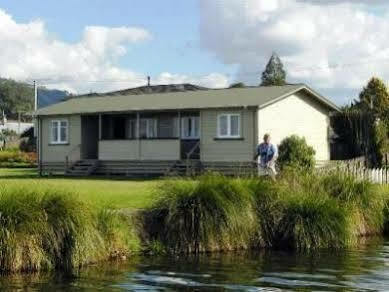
column 128, row 194
column 50, row 229
column 213, row 213
column 63, row 223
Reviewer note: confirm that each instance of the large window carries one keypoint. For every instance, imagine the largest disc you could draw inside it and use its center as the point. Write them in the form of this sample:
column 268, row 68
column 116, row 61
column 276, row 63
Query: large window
column 59, row 132
column 190, row 128
column 228, row 126
column 148, row 128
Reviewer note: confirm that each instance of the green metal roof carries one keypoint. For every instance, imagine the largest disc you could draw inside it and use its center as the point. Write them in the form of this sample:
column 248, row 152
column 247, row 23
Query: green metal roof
column 217, row 98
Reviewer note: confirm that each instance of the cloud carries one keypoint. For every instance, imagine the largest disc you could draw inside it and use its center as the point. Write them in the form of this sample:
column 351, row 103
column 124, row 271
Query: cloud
column 213, row 80
column 28, row 52
column 328, row 46
column 331, row 2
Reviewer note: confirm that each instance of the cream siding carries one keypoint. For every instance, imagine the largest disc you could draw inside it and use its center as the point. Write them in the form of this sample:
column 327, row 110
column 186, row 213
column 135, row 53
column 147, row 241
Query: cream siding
column 118, row 150
column 58, row 153
column 297, row 114
column 160, row 149
column 213, row 149
column 139, row 150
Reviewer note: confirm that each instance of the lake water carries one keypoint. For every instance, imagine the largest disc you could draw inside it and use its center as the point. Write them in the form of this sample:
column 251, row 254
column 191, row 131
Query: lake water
column 362, row 269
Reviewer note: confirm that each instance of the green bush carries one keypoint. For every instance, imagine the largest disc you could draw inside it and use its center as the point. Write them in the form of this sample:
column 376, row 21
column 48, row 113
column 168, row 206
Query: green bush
column 14, row 157
column 294, row 152
column 215, row 213
column 42, row 229
column 294, row 215
column 301, row 211
column 364, row 199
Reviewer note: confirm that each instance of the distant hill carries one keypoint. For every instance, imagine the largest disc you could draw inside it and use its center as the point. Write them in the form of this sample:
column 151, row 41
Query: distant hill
column 50, row 96
column 19, row 97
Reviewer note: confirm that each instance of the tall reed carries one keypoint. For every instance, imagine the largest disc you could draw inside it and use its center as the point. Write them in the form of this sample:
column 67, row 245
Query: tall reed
column 215, row 213
column 45, row 229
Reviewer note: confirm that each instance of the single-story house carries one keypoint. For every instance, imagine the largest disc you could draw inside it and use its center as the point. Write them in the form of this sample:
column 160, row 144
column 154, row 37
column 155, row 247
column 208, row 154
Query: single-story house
column 145, row 133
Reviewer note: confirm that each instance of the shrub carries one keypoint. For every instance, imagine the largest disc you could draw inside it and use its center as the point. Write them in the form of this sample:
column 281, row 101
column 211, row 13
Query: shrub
column 295, row 153
column 43, row 229
column 310, row 221
column 364, row 198
column 14, row 157
column 294, row 215
column 215, row 213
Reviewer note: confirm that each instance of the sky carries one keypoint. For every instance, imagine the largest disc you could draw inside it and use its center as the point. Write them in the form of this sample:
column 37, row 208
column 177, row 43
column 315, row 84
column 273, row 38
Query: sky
column 334, row 46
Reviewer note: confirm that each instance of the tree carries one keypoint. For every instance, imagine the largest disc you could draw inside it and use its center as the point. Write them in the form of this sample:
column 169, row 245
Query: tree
column 238, row 85
column 294, row 152
column 274, row 73
column 375, row 97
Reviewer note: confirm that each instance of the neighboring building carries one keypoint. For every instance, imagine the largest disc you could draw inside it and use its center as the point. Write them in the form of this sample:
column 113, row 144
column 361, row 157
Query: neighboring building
column 145, row 133
column 16, row 126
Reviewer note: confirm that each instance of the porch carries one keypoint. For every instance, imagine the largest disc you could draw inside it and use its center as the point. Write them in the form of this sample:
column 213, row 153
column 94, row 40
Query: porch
column 166, row 136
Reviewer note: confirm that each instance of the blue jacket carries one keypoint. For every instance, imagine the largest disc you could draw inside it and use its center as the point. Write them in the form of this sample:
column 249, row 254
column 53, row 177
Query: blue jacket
column 266, row 152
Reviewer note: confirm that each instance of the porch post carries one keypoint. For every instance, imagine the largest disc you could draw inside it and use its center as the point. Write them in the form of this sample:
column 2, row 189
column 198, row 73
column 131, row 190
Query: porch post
column 138, row 134
column 100, row 127
column 179, row 132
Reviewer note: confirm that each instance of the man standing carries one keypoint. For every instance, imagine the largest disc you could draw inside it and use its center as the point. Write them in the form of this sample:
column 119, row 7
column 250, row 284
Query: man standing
column 268, row 154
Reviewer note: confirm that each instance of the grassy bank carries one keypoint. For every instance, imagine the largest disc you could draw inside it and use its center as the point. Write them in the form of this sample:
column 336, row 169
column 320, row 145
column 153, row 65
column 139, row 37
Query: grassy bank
column 61, row 223
column 299, row 212
column 45, row 229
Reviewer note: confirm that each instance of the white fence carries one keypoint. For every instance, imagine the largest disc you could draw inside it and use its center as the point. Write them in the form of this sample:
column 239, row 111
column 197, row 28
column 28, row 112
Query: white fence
column 357, row 167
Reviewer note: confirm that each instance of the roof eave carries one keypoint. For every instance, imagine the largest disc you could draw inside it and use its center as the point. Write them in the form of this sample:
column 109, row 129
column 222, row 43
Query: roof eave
column 318, row 96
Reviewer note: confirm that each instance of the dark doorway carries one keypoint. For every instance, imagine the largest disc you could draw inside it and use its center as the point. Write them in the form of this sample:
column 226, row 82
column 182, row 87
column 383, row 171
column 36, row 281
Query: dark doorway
column 190, row 145
column 89, row 137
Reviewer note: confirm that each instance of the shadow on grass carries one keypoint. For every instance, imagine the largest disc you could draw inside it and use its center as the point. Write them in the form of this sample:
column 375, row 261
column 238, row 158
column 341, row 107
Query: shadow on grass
column 31, row 173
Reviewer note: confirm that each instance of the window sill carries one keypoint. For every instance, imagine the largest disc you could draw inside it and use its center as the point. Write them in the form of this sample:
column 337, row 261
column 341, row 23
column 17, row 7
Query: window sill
column 59, row 144
column 135, row 139
column 228, row 139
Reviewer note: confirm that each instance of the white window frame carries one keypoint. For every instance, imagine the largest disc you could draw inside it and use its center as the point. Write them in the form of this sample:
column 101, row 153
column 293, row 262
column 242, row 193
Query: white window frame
column 228, row 135
column 193, row 120
column 59, row 141
column 155, row 128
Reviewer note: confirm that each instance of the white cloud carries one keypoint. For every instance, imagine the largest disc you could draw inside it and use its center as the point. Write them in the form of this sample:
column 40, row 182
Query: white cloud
column 213, row 80
column 28, row 51
column 310, row 38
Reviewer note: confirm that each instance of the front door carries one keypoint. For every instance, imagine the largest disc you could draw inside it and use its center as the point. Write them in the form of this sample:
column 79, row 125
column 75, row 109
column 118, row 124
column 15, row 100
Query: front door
column 89, row 137
column 190, row 136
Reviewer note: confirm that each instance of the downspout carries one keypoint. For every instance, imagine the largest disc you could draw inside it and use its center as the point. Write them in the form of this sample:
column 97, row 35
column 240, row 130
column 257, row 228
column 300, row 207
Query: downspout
column 39, row 144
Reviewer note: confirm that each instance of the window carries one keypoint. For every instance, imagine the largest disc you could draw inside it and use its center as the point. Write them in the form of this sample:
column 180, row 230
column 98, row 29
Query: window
column 131, row 129
column 148, row 128
column 59, row 132
column 229, row 126
column 190, row 128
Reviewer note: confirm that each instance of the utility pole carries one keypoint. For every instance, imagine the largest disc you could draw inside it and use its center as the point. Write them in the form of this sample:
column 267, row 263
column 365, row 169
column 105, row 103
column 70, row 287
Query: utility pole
column 148, row 80
column 35, row 96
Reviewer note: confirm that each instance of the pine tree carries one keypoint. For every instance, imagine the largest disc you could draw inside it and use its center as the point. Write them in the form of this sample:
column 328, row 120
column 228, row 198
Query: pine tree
column 375, row 97
column 274, row 73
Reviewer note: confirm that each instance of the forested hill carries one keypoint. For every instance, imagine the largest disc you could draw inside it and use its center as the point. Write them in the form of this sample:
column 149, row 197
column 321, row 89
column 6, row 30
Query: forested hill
column 19, row 97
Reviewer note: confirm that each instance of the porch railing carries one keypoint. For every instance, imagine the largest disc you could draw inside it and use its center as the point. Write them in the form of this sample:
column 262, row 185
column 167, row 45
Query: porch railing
column 69, row 159
column 188, row 156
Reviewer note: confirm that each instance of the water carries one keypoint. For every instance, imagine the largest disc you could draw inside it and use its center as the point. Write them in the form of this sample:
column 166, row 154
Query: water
column 362, row 269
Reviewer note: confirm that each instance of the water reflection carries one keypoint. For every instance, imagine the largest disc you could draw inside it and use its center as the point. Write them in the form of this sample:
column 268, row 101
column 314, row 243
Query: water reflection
column 366, row 268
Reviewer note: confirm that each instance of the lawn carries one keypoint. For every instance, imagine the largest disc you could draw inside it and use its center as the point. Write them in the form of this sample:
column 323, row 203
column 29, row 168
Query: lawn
column 114, row 193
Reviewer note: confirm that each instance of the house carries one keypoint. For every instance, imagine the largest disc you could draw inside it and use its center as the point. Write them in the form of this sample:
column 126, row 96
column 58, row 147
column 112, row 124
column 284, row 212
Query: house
column 156, row 131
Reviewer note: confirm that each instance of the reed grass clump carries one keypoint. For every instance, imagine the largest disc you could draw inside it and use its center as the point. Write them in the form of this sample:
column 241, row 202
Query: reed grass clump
column 213, row 213
column 294, row 216
column 364, row 200
column 46, row 229
column 300, row 211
